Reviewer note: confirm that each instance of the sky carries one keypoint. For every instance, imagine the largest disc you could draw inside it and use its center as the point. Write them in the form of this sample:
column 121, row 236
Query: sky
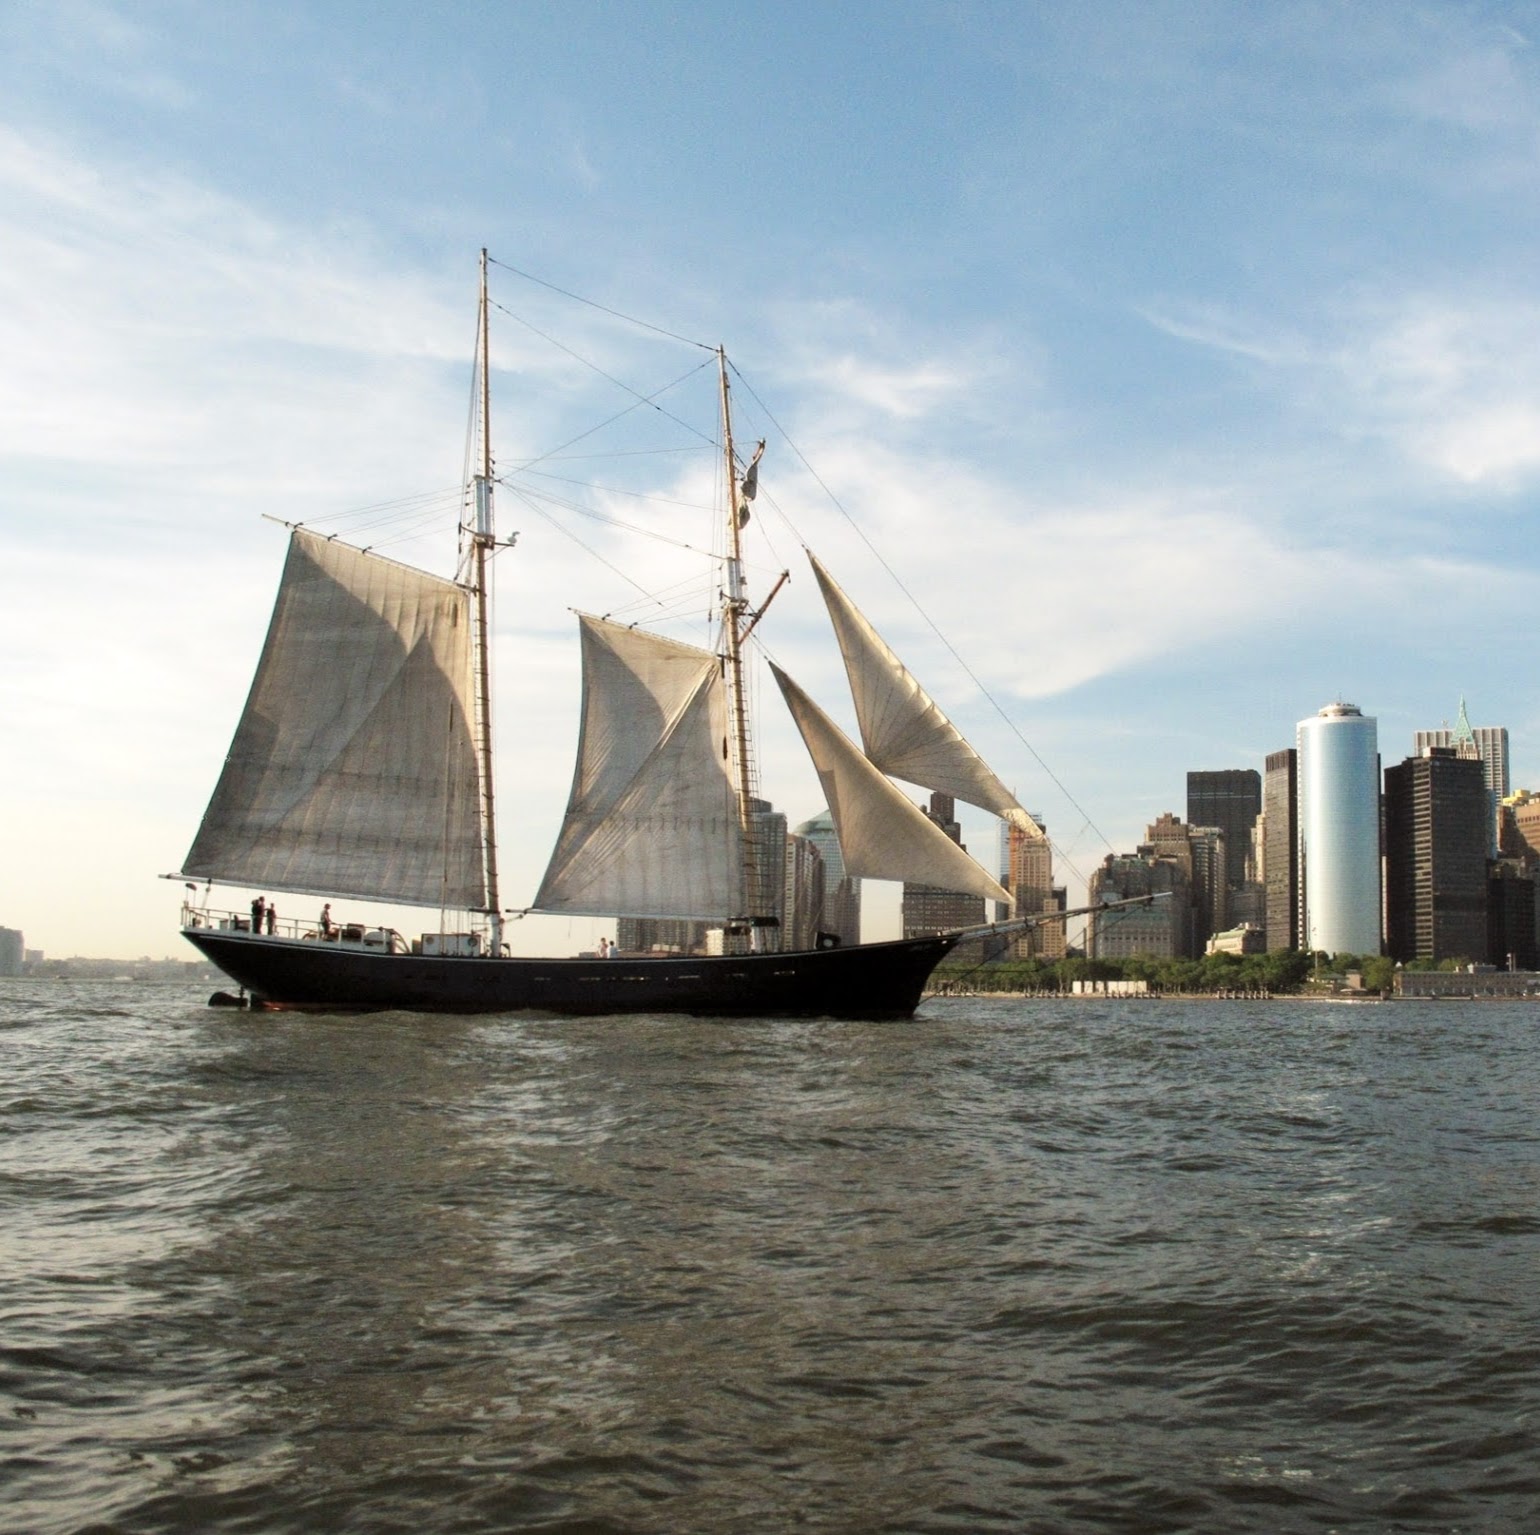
column 1166, row 371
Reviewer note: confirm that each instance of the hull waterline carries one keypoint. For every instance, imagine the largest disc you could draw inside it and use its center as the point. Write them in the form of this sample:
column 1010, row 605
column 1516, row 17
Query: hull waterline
column 875, row 980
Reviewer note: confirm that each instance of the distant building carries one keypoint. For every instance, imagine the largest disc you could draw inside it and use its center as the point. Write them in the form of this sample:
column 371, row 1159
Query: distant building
column 1200, row 852
column 926, row 909
column 767, row 827
column 1029, row 878
column 1231, row 799
column 1245, row 938
column 1511, row 913
column 1437, row 828
column 803, row 902
column 1521, row 824
column 1160, row 930
column 12, row 951
column 1280, row 850
column 1339, row 830
column 1488, row 744
column 841, row 894
column 660, row 935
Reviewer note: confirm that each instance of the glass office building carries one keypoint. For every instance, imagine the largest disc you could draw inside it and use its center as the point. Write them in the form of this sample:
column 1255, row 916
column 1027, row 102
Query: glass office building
column 1339, row 830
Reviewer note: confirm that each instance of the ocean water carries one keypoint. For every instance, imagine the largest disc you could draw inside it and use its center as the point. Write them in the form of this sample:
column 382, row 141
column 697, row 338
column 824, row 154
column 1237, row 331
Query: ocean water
column 1014, row 1266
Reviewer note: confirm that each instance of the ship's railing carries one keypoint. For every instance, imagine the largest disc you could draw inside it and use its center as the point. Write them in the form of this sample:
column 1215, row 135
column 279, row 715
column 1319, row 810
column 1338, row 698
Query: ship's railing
column 358, row 935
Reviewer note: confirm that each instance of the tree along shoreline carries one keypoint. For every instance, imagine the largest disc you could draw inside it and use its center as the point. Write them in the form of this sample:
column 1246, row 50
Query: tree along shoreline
column 1282, row 973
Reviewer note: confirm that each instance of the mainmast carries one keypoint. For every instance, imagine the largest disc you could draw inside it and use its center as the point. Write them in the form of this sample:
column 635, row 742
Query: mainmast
column 483, row 540
column 734, row 608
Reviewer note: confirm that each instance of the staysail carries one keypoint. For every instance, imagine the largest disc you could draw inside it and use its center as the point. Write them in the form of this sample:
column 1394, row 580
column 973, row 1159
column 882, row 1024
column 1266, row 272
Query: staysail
column 353, row 770
column 881, row 834
column 903, row 730
column 652, row 825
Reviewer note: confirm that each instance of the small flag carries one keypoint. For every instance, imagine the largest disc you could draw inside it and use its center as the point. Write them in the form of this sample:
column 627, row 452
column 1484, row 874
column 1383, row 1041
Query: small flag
column 750, row 484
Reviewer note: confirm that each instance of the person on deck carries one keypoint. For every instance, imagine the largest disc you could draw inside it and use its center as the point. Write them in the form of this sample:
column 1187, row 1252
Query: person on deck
column 327, row 926
column 258, row 906
column 272, row 918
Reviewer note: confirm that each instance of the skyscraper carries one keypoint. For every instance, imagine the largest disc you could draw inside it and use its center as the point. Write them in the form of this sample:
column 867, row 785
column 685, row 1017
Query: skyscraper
column 1200, row 853
column 1161, row 930
column 841, row 893
column 1437, row 830
column 1280, row 849
column 926, row 909
column 1339, row 830
column 1029, row 877
column 1488, row 743
column 1231, row 799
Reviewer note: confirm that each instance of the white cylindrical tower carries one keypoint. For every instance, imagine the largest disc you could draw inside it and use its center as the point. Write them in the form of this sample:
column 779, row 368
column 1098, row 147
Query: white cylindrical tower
column 1339, row 830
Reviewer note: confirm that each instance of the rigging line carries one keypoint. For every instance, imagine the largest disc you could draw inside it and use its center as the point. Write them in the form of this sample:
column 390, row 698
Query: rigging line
column 558, row 458
column 541, row 512
column 531, row 494
column 610, row 378
column 614, row 522
column 639, row 400
column 613, row 490
column 602, row 308
column 968, row 671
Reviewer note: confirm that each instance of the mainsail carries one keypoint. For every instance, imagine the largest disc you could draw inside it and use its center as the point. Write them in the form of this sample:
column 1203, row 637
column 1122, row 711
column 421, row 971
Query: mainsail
column 902, row 728
column 881, row 834
column 652, row 826
column 353, row 771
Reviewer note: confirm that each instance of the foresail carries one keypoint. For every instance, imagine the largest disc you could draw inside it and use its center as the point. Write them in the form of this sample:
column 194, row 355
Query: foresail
column 353, row 770
column 652, row 826
column 882, row 835
column 903, row 730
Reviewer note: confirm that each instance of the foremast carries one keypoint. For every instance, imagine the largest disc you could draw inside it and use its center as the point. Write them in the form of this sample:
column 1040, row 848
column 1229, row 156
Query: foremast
column 735, row 609
column 481, row 542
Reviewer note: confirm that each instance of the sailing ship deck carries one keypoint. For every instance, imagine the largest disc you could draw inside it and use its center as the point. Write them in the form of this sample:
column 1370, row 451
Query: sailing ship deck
column 866, row 981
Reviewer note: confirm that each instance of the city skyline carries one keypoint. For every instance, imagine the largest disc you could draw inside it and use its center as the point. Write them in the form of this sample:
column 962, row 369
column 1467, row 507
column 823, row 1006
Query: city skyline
column 1182, row 364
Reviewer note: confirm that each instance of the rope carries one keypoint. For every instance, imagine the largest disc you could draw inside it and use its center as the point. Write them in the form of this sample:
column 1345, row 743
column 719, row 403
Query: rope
column 602, row 308
column 930, row 622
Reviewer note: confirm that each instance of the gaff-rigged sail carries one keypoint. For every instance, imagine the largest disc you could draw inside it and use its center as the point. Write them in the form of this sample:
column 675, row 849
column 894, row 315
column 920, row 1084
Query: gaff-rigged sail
column 881, row 834
column 353, row 770
column 903, row 730
column 652, row 825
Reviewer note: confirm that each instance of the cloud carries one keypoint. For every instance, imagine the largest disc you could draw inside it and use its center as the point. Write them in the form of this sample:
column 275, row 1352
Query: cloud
column 1212, row 327
column 1454, row 382
column 1450, row 380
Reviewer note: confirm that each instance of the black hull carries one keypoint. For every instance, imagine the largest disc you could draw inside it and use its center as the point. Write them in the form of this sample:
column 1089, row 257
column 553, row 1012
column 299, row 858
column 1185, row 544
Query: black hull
column 870, row 980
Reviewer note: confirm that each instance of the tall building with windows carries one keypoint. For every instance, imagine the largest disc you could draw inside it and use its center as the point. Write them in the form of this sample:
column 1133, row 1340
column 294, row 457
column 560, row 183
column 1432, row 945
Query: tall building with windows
column 1437, row 830
column 12, row 951
column 1231, row 799
column 1339, row 830
column 1487, row 743
column 841, row 893
column 1029, row 878
column 1280, row 849
column 660, row 935
column 1160, row 930
column 803, row 903
column 926, row 909
column 767, row 826
column 1200, row 853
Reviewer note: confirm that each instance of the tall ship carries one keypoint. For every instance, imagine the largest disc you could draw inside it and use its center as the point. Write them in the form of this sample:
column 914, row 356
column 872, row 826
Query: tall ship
column 361, row 770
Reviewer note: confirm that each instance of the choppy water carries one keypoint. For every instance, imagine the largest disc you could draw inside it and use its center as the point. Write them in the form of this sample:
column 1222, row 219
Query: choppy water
column 1024, row 1266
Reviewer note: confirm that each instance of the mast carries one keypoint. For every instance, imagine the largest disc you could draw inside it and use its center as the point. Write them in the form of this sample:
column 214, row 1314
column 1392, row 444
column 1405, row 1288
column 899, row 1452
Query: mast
column 734, row 607
column 482, row 541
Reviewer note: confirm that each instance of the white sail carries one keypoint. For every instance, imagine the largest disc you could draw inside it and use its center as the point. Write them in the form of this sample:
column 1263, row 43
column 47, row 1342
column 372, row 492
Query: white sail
column 652, row 826
column 882, row 835
column 353, row 771
column 903, row 730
